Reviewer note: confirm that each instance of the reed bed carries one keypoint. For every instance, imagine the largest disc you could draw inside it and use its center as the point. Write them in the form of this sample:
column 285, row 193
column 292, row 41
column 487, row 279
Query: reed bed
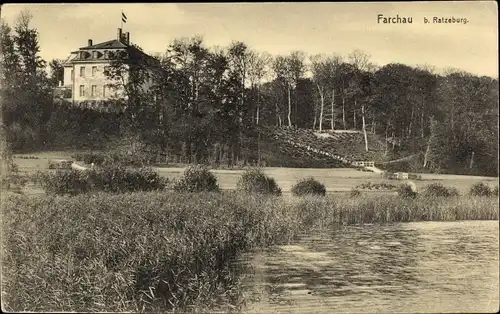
column 171, row 252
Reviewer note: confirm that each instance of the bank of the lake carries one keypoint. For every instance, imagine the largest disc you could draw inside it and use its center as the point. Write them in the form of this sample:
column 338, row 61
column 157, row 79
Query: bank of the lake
column 163, row 251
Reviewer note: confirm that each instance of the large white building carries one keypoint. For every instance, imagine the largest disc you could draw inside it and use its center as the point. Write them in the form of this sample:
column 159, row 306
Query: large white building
column 84, row 78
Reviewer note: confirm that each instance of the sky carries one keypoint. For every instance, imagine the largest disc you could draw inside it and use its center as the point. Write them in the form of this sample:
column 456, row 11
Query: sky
column 280, row 28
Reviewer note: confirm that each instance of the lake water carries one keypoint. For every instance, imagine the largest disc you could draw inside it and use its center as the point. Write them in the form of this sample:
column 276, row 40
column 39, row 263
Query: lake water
column 411, row 267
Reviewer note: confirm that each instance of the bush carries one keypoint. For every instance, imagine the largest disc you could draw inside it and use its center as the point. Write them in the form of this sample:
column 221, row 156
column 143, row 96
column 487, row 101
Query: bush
column 495, row 190
column 480, row 189
column 94, row 158
column 11, row 177
column 118, row 179
column 355, row 192
column 62, row 182
column 376, row 186
column 406, row 191
column 78, row 156
column 197, row 179
column 453, row 191
column 308, row 186
column 26, row 157
column 439, row 190
column 255, row 181
column 114, row 179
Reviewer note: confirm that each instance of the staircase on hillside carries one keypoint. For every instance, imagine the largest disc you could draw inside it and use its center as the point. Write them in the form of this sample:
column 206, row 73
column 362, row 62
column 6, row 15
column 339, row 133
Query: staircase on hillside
column 332, row 145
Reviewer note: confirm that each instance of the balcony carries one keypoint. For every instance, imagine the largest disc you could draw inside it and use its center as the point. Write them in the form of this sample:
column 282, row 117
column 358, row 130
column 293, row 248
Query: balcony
column 62, row 92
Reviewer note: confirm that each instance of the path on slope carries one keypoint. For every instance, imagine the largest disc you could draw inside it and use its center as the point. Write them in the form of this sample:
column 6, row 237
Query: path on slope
column 334, row 156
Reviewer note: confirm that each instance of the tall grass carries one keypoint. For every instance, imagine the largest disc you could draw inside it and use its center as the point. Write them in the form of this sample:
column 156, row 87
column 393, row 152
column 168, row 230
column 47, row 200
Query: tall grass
column 157, row 251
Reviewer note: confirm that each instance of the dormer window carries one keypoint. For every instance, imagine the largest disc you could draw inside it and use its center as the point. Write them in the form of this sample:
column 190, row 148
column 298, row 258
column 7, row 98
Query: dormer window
column 96, row 54
column 84, row 55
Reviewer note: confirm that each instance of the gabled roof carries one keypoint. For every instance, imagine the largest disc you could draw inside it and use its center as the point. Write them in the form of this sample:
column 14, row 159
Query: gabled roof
column 110, row 44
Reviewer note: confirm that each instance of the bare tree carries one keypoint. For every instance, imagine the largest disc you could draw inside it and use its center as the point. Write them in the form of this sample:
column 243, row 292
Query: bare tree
column 360, row 60
column 320, row 80
column 258, row 67
column 332, row 71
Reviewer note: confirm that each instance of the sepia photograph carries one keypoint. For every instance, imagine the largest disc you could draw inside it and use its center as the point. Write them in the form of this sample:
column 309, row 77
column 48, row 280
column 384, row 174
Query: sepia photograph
column 277, row 157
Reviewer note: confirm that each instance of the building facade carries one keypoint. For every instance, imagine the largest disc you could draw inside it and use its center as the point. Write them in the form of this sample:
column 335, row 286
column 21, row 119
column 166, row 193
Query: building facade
column 84, row 79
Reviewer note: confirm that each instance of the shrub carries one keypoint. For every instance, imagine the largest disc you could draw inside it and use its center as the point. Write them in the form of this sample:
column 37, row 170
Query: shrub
column 61, row 182
column 377, row 186
column 78, row 156
column 439, row 190
column 495, row 190
column 453, row 191
column 26, row 157
column 255, row 181
column 11, row 177
column 114, row 179
column 197, row 179
column 118, row 179
column 354, row 192
column 308, row 186
column 480, row 189
column 94, row 158
column 406, row 191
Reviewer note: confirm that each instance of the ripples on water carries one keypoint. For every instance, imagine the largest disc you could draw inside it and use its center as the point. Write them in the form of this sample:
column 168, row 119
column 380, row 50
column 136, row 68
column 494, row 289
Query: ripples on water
column 411, row 267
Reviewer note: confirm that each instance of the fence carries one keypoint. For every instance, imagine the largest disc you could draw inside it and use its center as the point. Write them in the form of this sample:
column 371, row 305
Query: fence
column 364, row 163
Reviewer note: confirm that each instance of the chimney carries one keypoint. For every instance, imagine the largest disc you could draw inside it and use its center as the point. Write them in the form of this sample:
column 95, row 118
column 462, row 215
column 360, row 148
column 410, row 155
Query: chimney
column 90, row 42
column 119, row 34
column 128, row 38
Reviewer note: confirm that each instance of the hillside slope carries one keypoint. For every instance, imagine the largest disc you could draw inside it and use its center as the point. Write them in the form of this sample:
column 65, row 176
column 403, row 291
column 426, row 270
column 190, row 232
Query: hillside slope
column 337, row 149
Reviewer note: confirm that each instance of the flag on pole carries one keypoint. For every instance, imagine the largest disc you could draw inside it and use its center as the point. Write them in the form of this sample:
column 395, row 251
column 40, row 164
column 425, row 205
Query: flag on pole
column 124, row 18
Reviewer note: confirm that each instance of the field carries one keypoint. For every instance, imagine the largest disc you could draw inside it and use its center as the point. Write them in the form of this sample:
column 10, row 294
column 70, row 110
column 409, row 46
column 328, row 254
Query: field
column 336, row 180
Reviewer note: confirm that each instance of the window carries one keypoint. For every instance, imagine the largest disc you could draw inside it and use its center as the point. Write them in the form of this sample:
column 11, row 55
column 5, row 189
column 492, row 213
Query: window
column 82, row 71
column 95, row 55
column 94, row 90
column 94, row 70
column 104, row 91
column 72, row 74
column 82, row 90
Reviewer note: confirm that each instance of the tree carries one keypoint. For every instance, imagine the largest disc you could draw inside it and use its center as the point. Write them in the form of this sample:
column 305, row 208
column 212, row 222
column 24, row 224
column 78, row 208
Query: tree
column 361, row 60
column 25, row 91
column 282, row 73
column 296, row 68
column 332, row 71
column 56, row 72
column 320, row 78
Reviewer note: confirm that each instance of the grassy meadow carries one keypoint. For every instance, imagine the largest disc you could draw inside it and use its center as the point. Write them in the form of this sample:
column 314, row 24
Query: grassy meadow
column 336, row 180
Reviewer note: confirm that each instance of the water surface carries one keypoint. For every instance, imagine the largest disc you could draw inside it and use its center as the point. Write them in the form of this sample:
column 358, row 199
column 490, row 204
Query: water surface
column 407, row 267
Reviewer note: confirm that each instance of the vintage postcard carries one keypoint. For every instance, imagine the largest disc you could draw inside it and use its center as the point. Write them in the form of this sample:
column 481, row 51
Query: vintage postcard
column 250, row 157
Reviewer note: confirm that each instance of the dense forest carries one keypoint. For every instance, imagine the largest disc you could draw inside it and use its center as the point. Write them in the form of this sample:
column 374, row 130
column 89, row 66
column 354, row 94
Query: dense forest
column 213, row 103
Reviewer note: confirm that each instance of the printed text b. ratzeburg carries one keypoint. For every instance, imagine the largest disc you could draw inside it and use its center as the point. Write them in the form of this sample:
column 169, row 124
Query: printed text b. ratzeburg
column 381, row 19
